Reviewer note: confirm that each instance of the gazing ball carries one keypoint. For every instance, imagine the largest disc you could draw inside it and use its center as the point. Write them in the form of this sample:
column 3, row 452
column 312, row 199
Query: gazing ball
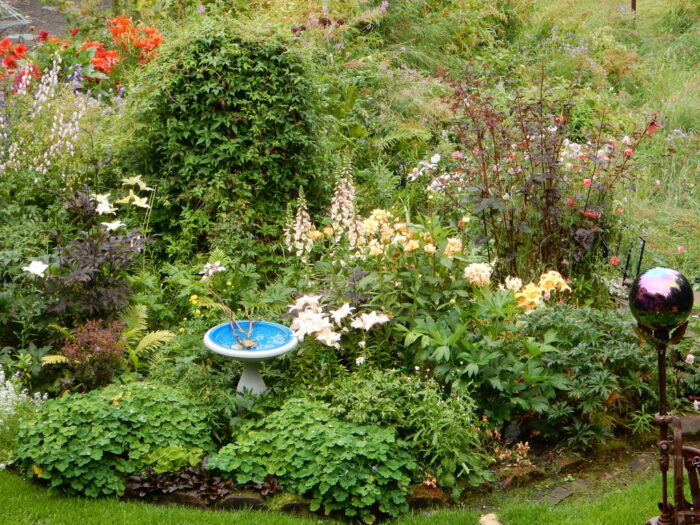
column 661, row 298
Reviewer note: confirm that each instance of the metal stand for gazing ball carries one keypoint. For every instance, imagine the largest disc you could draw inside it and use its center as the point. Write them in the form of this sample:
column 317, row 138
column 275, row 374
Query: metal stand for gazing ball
column 661, row 300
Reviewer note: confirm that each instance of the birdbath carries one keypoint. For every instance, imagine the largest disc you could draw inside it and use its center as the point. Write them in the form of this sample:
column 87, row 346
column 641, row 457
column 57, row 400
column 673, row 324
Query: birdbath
column 271, row 340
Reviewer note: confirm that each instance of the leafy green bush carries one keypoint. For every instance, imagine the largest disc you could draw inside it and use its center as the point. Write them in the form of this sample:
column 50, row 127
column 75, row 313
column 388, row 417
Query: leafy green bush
column 443, row 432
column 358, row 470
column 88, row 444
column 226, row 118
column 474, row 348
column 15, row 408
column 610, row 376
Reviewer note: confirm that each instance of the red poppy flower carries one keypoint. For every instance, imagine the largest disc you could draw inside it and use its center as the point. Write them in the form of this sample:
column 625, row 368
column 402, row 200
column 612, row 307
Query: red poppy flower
column 614, row 261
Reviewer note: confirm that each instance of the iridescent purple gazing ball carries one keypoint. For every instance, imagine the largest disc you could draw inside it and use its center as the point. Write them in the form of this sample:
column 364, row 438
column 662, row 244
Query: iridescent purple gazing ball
column 661, row 298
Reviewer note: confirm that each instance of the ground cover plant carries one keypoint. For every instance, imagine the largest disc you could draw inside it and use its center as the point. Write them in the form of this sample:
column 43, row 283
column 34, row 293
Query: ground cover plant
column 437, row 197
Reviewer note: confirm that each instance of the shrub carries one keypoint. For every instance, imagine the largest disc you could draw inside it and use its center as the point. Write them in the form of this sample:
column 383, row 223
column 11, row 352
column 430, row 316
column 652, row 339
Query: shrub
column 609, row 374
column 91, row 279
column 90, row 443
column 226, row 117
column 442, row 431
column 540, row 199
column 359, row 470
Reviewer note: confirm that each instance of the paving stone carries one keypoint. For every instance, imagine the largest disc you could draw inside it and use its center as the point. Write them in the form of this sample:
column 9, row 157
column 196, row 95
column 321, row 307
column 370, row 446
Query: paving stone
column 691, row 425
column 557, row 495
column 188, row 498
column 519, row 476
column 241, row 500
column 296, row 506
column 642, row 462
column 423, row 497
column 569, row 464
column 489, row 519
column 579, row 485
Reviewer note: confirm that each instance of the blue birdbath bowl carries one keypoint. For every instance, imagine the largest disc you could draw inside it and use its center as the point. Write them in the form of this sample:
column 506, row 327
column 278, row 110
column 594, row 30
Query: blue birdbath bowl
column 271, row 340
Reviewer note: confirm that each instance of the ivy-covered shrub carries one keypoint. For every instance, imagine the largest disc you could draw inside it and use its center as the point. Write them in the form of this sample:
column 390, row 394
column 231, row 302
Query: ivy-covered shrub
column 610, row 375
column 442, row 431
column 226, row 119
column 90, row 443
column 356, row 469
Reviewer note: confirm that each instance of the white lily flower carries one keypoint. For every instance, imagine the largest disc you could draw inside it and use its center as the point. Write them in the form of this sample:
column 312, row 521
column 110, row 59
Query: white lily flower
column 114, row 225
column 105, row 208
column 341, row 313
column 36, row 268
column 141, row 202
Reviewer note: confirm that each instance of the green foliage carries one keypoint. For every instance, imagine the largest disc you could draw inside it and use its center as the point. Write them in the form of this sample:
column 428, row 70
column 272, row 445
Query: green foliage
column 137, row 341
column 16, row 407
column 610, row 376
column 89, row 443
column 443, row 432
column 173, row 457
column 226, row 119
column 358, row 470
column 472, row 350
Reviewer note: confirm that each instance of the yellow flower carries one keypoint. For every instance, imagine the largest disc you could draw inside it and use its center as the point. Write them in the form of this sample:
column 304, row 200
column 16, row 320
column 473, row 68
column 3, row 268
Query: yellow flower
column 529, row 297
column 453, row 247
column 181, row 329
column 370, row 225
column 380, row 215
column 37, row 470
column 315, row 235
column 328, row 231
column 375, row 248
column 198, row 312
column 478, row 274
column 552, row 280
column 429, row 248
column 401, row 227
column 229, row 283
column 411, row 246
column 194, row 298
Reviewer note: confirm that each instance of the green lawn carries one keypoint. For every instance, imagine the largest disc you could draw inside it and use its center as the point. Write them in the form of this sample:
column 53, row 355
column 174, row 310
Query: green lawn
column 24, row 503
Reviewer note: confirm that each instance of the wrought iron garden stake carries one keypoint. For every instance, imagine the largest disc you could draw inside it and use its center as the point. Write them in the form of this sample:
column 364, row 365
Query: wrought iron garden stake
column 661, row 300
column 666, row 516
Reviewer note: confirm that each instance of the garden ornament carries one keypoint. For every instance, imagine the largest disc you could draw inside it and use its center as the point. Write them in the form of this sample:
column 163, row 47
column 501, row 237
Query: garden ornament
column 661, row 300
column 250, row 342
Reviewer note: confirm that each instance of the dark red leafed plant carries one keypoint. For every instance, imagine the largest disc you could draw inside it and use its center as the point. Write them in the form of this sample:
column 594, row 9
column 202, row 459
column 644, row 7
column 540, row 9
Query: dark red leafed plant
column 94, row 354
column 541, row 198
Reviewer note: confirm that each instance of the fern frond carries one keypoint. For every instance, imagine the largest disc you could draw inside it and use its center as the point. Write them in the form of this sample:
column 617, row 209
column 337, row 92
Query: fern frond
column 135, row 320
column 405, row 132
column 153, row 340
column 63, row 331
column 53, row 359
